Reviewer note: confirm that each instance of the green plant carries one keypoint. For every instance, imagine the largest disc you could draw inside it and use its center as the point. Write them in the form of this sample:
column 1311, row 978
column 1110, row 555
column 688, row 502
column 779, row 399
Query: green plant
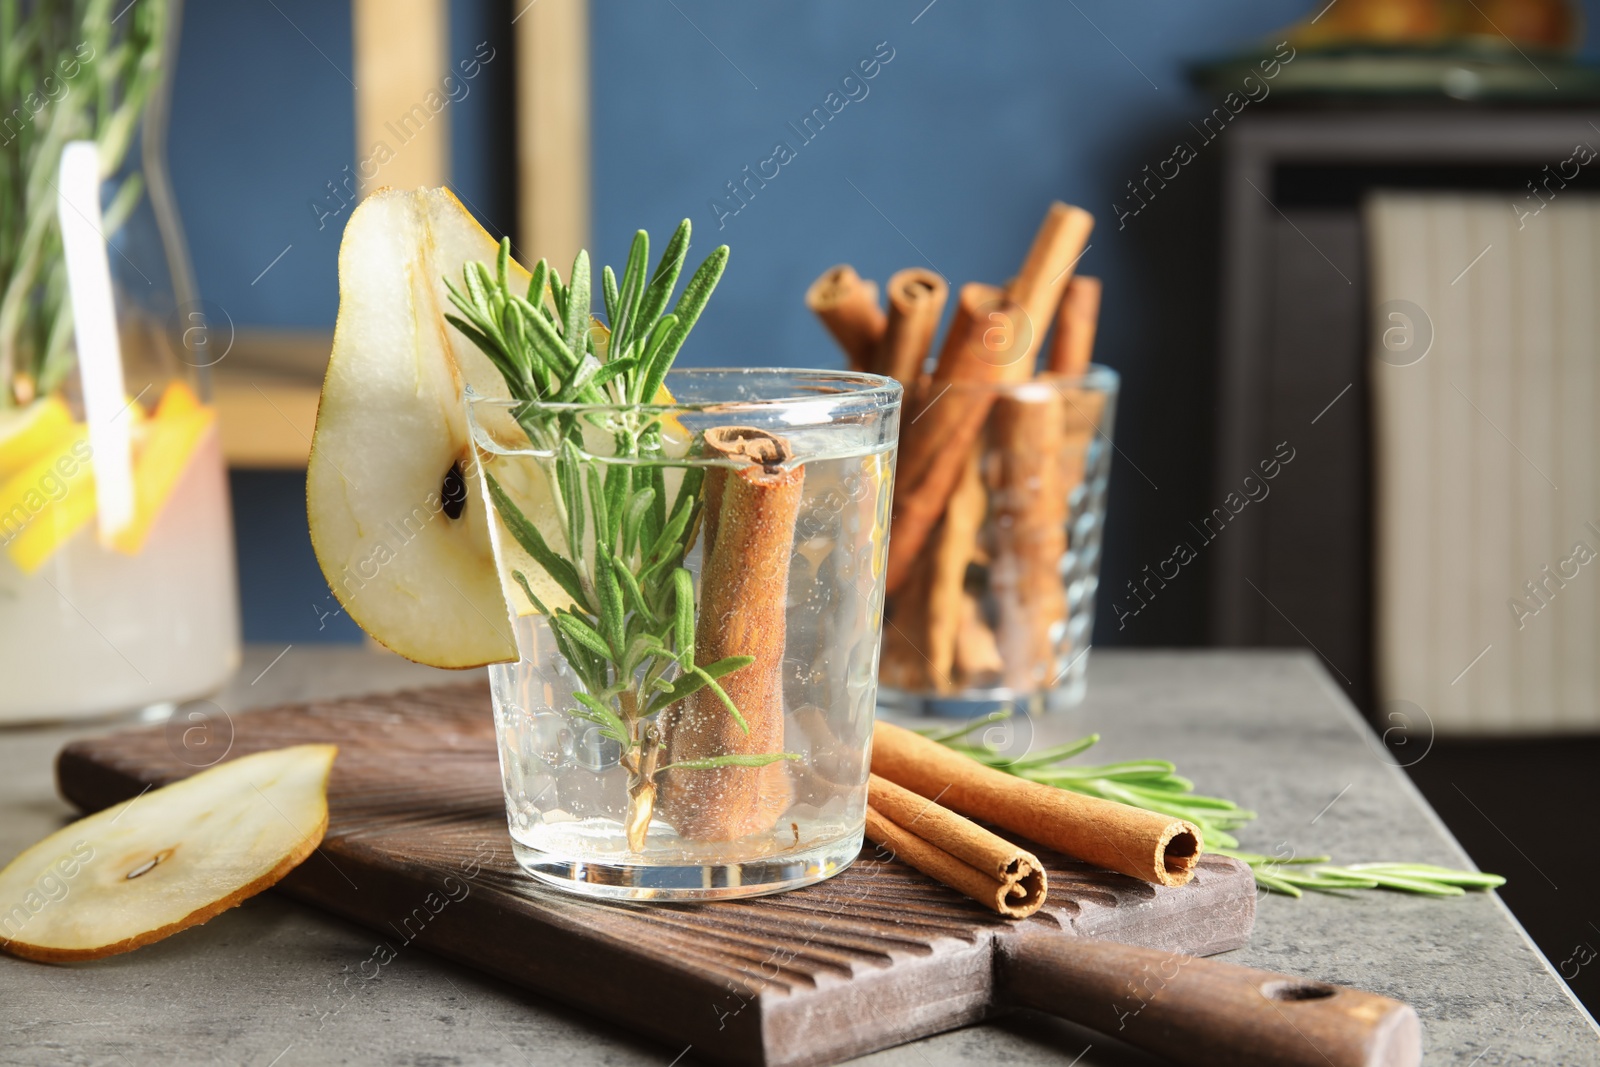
column 69, row 70
column 629, row 633
column 1156, row 786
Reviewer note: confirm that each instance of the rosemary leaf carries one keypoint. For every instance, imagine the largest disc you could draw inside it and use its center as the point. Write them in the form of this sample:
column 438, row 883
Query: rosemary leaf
column 633, row 517
column 626, row 318
column 711, row 762
column 618, row 487
column 538, row 279
column 658, row 509
column 683, row 599
column 1276, row 884
column 577, row 309
column 693, row 681
column 599, row 501
column 532, row 541
column 613, row 611
column 722, row 695
column 582, row 633
column 522, row 580
column 633, row 592
column 610, row 722
column 688, row 494
column 608, row 290
column 665, row 277
column 672, row 535
column 1425, row 886
column 1432, row 872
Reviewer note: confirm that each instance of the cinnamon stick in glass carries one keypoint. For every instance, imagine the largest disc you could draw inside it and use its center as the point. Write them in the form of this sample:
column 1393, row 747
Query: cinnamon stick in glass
column 1045, row 274
column 956, row 851
column 1029, row 486
column 916, row 300
column 978, row 662
column 926, row 615
column 1077, row 319
column 1141, row 844
column 980, row 348
column 748, row 526
column 848, row 306
column 994, row 337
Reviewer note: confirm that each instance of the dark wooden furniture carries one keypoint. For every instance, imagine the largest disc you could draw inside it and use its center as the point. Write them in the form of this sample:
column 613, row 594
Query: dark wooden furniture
column 1298, row 570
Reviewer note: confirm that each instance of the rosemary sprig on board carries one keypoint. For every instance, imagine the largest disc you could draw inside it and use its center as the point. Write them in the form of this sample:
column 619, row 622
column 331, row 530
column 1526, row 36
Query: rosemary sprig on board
column 629, row 632
column 1156, row 786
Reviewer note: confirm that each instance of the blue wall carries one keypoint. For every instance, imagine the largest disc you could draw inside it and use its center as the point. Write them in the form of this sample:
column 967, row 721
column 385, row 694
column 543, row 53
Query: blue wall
column 984, row 114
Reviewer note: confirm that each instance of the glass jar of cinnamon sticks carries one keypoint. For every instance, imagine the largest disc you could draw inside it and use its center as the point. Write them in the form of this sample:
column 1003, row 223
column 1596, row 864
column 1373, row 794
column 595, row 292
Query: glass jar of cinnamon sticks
column 1000, row 493
column 996, row 605
column 698, row 591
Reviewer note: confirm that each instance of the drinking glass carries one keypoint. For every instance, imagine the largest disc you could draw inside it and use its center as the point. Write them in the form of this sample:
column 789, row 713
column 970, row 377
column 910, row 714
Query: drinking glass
column 626, row 774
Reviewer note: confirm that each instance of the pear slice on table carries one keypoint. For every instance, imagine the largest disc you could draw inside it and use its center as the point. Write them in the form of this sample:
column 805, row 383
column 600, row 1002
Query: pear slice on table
column 392, row 496
column 167, row 860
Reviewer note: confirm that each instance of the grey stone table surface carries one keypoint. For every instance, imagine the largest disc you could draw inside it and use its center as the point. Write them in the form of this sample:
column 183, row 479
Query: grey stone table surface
column 258, row 985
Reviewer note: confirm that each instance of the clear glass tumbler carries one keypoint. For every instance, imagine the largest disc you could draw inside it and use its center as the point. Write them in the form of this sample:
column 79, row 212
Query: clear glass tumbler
column 997, row 607
column 697, row 592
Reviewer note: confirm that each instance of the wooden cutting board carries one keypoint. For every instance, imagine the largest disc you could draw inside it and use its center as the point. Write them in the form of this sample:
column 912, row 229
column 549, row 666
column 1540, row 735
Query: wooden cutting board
column 417, row 850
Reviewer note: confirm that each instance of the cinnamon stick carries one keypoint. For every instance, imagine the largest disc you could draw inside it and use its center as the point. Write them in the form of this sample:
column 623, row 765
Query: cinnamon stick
column 1039, row 285
column 927, row 613
column 1030, row 484
column 916, row 300
column 956, row 851
column 994, row 337
column 848, row 307
column 978, row 662
column 1141, row 844
column 979, row 349
column 749, row 522
column 903, row 662
column 1077, row 319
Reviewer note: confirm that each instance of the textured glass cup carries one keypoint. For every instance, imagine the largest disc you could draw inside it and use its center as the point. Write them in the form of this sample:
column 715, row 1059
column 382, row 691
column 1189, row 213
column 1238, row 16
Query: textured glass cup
column 997, row 608
column 625, row 775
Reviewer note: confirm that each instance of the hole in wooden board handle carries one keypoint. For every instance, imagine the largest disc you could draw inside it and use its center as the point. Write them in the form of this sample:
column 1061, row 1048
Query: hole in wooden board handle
column 1293, row 989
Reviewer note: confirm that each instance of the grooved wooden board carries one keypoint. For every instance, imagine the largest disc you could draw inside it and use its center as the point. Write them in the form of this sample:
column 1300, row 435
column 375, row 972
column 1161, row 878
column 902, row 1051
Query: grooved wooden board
column 417, row 850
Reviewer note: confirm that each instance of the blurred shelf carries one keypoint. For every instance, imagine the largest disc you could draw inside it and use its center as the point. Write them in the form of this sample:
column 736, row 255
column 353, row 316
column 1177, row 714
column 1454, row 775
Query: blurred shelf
column 266, row 391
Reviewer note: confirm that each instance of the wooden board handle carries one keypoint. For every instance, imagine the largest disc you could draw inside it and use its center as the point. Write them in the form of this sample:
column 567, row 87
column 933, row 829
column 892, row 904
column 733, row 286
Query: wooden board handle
column 1204, row 1012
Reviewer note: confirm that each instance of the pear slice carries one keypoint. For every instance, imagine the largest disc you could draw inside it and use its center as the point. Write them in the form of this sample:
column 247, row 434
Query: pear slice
column 167, row 860
column 396, row 513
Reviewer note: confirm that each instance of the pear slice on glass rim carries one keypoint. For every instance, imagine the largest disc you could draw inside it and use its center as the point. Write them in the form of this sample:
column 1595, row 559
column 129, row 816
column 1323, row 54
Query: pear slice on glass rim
column 167, row 860
column 393, row 500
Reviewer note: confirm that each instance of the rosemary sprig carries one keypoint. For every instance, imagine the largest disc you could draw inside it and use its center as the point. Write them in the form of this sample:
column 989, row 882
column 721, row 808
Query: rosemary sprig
column 1156, row 786
column 628, row 634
